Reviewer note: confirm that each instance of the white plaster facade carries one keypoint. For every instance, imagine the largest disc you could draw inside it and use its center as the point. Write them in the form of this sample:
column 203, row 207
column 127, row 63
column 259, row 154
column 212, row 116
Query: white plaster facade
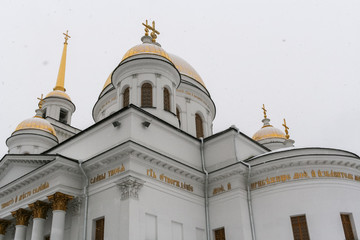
column 149, row 182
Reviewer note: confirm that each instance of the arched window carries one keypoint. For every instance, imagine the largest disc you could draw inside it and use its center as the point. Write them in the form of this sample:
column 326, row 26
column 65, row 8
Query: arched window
column 146, row 95
column 199, row 126
column 126, row 97
column 166, row 100
column 178, row 116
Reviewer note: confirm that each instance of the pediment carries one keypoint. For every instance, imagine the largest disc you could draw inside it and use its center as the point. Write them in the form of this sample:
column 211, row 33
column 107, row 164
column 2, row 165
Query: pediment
column 13, row 167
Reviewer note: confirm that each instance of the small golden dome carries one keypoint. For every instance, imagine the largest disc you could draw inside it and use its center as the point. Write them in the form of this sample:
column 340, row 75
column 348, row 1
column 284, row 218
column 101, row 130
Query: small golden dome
column 268, row 132
column 186, row 69
column 58, row 93
column 108, row 81
column 36, row 123
column 146, row 48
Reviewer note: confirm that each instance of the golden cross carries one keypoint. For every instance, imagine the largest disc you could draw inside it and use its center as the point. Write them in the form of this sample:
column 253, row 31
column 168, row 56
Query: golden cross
column 152, row 28
column 41, row 100
column 146, row 28
column 66, row 36
column 263, row 108
column 286, row 130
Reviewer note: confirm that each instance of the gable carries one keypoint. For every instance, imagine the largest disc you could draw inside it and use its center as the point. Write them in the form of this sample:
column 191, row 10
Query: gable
column 14, row 167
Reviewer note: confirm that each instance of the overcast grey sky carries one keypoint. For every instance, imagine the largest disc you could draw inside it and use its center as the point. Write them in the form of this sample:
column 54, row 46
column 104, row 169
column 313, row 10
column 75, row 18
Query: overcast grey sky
column 298, row 57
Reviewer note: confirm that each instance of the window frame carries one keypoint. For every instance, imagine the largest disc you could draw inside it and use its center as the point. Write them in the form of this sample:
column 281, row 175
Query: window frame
column 166, row 99
column 302, row 225
column 199, row 126
column 350, row 222
column 146, row 101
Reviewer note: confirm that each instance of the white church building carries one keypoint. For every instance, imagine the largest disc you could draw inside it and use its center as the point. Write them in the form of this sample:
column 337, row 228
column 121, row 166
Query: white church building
column 151, row 168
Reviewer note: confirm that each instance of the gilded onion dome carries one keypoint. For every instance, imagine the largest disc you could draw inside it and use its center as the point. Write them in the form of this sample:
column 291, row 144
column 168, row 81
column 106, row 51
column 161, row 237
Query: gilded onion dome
column 185, row 68
column 37, row 123
column 146, row 48
column 59, row 94
column 268, row 131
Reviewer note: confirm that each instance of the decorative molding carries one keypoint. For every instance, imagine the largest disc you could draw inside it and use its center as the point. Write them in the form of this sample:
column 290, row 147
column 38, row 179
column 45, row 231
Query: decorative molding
column 39, row 209
column 22, row 216
column 4, row 225
column 129, row 187
column 59, row 201
column 29, row 179
column 75, row 206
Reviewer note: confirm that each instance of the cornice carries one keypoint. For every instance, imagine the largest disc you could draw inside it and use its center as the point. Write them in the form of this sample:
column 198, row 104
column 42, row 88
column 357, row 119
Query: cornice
column 305, row 161
column 54, row 166
column 151, row 157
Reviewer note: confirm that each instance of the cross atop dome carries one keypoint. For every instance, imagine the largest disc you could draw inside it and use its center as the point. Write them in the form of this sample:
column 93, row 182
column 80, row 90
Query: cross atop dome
column 154, row 32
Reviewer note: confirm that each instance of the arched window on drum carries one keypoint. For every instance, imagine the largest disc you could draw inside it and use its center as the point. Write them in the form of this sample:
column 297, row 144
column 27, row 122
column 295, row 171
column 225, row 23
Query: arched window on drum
column 199, row 126
column 166, row 99
column 126, row 97
column 146, row 95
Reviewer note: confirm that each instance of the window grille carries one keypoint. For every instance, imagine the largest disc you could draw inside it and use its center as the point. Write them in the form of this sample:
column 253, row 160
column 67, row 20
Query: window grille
column 99, row 229
column 199, row 126
column 126, row 97
column 220, row 234
column 346, row 222
column 146, row 95
column 166, row 100
column 299, row 227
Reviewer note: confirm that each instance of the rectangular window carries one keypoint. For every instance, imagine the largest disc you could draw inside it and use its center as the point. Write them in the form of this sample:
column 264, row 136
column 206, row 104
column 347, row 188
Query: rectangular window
column 219, row 234
column 200, row 234
column 151, row 227
column 347, row 225
column 177, row 231
column 99, row 229
column 63, row 116
column 299, row 228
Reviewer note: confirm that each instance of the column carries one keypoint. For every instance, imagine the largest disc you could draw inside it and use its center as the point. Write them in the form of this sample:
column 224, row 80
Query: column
column 22, row 217
column 58, row 203
column 39, row 209
column 129, row 207
column 3, row 225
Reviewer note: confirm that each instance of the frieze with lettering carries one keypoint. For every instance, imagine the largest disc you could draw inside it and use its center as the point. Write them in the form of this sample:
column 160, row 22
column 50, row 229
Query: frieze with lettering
column 162, row 177
column 313, row 174
column 108, row 174
column 25, row 195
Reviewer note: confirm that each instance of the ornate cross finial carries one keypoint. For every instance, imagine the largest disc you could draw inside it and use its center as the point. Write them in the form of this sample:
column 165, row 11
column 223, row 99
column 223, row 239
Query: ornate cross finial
column 146, row 28
column 263, row 108
column 286, row 130
column 41, row 101
column 66, row 36
column 152, row 28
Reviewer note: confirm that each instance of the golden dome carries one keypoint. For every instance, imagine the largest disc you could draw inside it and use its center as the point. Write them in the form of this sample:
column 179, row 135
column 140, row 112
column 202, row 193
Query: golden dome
column 146, row 48
column 108, row 81
column 185, row 68
column 36, row 123
column 58, row 93
column 268, row 131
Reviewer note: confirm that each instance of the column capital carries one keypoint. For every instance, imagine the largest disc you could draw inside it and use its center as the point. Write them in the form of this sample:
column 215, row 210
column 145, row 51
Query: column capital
column 3, row 226
column 59, row 201
column 22, row 216
column 129, row 187
column 39, row 209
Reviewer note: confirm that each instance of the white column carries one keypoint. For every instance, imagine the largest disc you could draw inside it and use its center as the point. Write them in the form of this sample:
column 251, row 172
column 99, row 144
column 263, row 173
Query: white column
column 58, row 225
column 3, row 226
column 39, row 209
column 59, row 204
column 22, row 220
column 38, row 229
column 20, row 232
